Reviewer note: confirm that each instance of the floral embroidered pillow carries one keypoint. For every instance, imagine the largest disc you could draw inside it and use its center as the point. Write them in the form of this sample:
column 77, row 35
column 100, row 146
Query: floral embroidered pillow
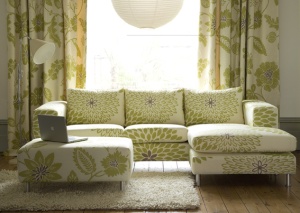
column 216, row 106
column 154, row 107
column 95, row 107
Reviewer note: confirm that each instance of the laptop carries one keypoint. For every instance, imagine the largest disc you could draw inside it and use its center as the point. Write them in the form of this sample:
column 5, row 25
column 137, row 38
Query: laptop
column 53, row 128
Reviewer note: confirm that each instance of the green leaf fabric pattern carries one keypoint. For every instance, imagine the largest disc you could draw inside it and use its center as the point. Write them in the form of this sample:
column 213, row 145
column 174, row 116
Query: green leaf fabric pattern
column 108, row 132
column 97, row 159
column 265, row 117
column 199, row 160
column 154, row 107
column 92, row 107
column 161, row 151
column 264, row 164
column 148, row 135
column 239, row 138
column 84, row 161
column 41, row 169
column 240, row 141
column 72, row 177
column 217, row 106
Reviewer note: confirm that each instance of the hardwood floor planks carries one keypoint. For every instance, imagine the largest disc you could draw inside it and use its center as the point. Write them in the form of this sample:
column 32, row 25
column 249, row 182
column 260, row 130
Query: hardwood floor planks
column 218, row 193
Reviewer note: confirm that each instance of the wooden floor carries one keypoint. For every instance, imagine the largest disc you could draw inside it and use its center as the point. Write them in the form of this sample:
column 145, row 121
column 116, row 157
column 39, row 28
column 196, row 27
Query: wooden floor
column 225, row 193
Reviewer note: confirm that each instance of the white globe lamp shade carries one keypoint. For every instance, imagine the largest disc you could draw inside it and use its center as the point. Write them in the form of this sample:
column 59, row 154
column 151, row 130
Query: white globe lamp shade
column 147, row 13
column 41, row 50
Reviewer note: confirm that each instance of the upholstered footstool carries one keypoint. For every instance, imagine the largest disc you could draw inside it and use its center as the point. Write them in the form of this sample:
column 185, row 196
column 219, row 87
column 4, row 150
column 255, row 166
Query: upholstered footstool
column 240, row 149
column 97, row 159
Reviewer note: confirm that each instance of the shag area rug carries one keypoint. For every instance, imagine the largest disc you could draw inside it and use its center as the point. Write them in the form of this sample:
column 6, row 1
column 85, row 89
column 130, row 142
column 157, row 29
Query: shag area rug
column 145, row 190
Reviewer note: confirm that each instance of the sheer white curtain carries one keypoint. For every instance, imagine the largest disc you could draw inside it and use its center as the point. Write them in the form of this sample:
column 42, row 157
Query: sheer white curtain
column 122, row 56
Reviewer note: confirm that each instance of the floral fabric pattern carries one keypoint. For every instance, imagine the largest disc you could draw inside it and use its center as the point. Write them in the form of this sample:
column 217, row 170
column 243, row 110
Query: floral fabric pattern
column 224, row 106
column 264, row 164
column 150, row 135
column 238, row 46
column 95, row 107
column 246, row 163
column 151, row 107
column 98, row 159
column 41, row 169
column 114, row 164
column 161, row 151
column 60, row 22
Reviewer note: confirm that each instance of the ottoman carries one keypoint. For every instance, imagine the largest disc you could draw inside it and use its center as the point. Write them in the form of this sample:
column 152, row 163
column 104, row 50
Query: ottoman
column 97, row 159
column 241, row 149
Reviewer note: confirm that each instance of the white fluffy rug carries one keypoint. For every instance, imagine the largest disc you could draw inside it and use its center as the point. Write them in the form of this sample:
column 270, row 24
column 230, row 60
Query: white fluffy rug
column 146, row 190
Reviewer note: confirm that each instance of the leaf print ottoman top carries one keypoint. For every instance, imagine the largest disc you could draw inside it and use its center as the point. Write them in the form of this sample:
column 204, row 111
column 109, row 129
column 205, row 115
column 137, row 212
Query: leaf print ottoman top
column 230, row 138
column 95, row 107
column 97, row 159
column 154, row 107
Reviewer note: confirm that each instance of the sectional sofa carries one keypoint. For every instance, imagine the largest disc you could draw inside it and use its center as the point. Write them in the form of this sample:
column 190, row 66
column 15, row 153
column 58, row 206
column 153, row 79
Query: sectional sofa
column 216, row 131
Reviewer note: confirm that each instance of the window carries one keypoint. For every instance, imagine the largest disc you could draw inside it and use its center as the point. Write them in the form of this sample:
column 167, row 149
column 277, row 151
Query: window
column 122, row 56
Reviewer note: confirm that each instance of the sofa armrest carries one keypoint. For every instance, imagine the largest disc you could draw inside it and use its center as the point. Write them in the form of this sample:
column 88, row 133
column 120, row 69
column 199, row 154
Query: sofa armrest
column 260, row 114
column 58, row 108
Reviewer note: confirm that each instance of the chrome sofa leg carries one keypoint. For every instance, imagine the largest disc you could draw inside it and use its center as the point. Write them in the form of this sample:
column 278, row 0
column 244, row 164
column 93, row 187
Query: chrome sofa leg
column 27, row 187
column 288, row 180
column 198, row 179
column 122, row 185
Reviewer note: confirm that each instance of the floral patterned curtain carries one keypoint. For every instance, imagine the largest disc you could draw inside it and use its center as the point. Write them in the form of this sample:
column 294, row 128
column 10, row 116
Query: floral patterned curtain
column 62, row 22
column 239, row 46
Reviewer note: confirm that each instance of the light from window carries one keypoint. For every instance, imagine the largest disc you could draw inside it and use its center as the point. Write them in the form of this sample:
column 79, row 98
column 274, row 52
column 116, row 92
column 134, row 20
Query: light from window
column 122, row 56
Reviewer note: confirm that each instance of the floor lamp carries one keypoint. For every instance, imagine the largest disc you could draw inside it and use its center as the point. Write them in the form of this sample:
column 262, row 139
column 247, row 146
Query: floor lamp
column 40, row 51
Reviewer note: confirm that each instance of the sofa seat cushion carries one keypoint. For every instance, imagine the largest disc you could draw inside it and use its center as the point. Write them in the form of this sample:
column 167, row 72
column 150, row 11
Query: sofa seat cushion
column 230, row 138
column 146, row 133
column 96, row 130
column 95, row 107
column 154, row 107
column 214, row 106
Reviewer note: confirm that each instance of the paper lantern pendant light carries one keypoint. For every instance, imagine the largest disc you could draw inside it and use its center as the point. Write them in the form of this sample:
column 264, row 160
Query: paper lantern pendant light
column 147, row 13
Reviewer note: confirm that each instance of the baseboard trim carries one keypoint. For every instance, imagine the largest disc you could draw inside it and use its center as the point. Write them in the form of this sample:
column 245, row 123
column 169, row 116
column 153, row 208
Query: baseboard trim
column 3, row 122
column 289, row 120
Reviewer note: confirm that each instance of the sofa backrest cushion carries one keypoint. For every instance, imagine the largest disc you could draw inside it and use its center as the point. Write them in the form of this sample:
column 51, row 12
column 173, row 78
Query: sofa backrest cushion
column 154, row 107
column 215, row 106
column 95, row 107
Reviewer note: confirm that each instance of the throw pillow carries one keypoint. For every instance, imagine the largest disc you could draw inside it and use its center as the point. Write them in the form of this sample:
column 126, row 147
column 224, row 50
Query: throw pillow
column 216, row 106
column 95, row 107
column 154, row 107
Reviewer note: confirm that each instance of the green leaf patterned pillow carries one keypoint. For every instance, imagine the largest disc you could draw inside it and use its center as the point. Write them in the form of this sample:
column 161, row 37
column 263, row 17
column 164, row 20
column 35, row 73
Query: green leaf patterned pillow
column 216, row 106
column 95, row 107
column 154, row 107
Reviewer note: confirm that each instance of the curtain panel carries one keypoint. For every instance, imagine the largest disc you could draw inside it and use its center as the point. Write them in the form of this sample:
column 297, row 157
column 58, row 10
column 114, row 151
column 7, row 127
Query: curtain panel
column 239, row 46
column 62, row 22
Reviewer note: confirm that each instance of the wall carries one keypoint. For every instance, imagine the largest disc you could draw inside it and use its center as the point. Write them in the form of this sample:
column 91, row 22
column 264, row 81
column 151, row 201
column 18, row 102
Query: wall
column 290, row 58
column 289, row 68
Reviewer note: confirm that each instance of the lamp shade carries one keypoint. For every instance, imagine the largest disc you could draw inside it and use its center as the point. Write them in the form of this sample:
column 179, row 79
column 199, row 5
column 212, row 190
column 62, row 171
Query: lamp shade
column 147, row 13
column 41, row 50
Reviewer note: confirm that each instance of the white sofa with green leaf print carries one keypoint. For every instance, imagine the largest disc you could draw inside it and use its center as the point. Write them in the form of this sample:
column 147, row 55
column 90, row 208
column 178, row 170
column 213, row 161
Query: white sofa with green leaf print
column 217, row 131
